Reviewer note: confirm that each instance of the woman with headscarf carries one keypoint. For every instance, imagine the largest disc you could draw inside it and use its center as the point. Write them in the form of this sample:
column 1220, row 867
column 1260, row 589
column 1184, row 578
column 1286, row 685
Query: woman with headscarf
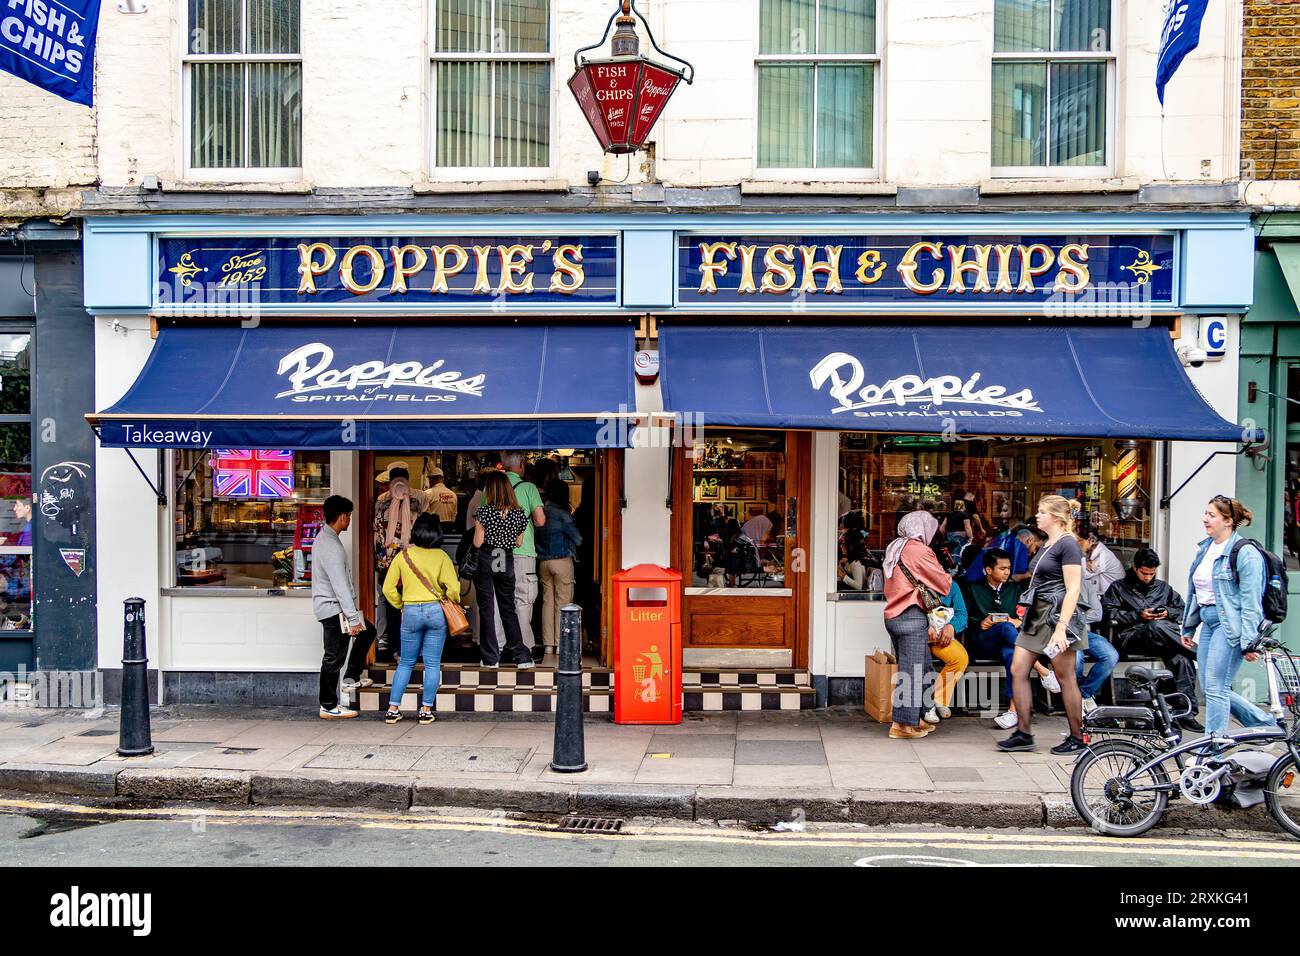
column 395, row 514
column 913, row 574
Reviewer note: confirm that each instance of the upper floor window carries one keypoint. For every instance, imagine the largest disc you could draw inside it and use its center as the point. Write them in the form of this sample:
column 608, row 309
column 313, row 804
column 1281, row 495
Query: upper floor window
column 1053, row 84
column 243, row 70
column 492, row 68
column 817, row 75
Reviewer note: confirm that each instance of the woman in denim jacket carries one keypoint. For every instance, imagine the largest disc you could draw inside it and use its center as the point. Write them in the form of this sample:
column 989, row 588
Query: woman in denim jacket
column 1230, row 609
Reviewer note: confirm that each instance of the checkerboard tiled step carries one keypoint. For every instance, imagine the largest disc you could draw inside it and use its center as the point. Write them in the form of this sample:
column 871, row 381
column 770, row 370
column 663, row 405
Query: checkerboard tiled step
column 485, row 700
column 762, row 677
column 472, row 676
column 469, row 688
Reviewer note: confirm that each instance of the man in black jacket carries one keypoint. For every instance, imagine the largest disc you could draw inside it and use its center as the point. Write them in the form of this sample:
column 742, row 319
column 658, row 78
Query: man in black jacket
column 1144, row 613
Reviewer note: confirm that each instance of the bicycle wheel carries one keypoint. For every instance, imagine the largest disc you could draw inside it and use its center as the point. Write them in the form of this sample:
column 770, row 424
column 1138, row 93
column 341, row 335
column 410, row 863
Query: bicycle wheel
column 1100, row 788
column 1282, row 794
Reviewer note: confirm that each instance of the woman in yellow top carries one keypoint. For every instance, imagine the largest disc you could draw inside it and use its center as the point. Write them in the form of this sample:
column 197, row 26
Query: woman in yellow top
column 425, row 575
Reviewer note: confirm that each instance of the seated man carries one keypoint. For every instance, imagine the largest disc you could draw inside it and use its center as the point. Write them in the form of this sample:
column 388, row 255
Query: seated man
column 1144, row 613
column 1100, row 562
column 995, row 623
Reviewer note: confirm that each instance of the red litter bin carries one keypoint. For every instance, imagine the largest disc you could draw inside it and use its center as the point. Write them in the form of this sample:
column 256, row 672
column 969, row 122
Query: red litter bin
column 647, row 646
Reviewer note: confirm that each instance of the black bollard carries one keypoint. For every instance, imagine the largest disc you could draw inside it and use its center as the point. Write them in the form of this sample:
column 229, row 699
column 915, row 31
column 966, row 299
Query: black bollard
column 135, row 739
column 570, row 751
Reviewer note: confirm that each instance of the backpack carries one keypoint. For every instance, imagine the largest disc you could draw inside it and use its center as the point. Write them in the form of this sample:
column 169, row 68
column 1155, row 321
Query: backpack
column 1275, row 579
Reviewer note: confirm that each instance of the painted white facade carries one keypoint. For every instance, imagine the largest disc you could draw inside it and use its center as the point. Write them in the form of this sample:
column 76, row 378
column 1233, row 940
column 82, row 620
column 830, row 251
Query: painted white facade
column 367, row 111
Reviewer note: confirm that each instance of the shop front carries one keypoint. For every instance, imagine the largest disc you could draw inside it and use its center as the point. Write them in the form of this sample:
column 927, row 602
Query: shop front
column 815, row 377
column 47, row 482
column 1270, row 394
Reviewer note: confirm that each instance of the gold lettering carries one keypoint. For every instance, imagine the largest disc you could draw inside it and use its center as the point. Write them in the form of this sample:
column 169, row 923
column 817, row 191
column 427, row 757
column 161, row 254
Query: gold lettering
column 747, row 285
column 1029, row 271
column 711, row 270
column 441, row 271
column 957, row 260
column 376, row 269
column 1073, row 261
column 401, row 271
column 481, row 284
column 779, row 261
column 830, row 268
column 568, row 264
column 907, row 268
column 514, row 263
column 871, row 267
column 309, row 268
column 1004, row 269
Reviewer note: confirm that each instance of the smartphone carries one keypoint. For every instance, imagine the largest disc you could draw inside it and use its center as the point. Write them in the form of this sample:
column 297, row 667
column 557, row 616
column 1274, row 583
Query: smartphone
column 999, row 618
column 1160, row 610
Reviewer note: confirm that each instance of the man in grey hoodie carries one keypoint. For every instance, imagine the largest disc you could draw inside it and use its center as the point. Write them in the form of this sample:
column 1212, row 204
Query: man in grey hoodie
column 334, row 601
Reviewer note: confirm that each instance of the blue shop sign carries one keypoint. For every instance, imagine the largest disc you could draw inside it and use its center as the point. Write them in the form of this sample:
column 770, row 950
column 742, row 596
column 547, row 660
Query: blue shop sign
column 388, row 272
column 1095, row 272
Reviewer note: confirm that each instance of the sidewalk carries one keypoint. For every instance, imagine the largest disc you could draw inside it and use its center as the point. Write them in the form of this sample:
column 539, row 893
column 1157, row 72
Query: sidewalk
column 760, row 767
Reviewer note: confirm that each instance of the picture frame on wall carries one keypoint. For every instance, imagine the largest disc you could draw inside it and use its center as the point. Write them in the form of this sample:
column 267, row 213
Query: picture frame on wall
column 1072, row 462
column 1045, row 466
column 1018, row 471
column 1006, row 467
column 1058, row 465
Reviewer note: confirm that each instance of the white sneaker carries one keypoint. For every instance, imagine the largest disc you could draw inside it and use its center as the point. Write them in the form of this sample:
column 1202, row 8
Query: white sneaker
column 354, row 684
column 1050, row 682
column 525, row 665
column 931, row 716
column 338, row 713
column 944, row 712
column 1089, row 705
column 1007, row 721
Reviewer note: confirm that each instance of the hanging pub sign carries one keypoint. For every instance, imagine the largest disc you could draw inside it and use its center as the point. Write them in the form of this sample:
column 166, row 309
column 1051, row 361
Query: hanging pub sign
column 623, row 96
column 1119, row 272
column 404, row 273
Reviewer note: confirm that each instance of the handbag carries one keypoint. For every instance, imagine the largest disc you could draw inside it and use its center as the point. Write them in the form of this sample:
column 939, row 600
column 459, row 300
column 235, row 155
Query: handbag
column 457, row 621
column 925, row 596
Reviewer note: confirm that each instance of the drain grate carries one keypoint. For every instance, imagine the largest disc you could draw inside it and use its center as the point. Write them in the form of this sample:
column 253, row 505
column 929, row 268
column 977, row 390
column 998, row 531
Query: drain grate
column 241, row 751
column 574, row 824
column 100, row 732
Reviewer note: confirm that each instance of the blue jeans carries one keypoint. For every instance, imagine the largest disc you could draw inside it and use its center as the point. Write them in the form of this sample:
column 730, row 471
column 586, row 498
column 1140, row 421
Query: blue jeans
column 998, row 641
column 424, row 633
column 1218, row 658
column 1104, row 657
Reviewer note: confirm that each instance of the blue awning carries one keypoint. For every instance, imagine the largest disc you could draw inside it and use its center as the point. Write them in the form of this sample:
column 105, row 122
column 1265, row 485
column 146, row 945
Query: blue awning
column 979, row 378
column 378, row 387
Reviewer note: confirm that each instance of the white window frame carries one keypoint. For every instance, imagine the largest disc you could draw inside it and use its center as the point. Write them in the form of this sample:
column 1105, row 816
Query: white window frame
column 188, row 59
column 822, row 173
column 438, row 173
column 1111, row 59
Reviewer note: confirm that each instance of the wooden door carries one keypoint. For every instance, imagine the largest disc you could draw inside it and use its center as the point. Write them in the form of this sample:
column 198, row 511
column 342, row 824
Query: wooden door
column 728, row 604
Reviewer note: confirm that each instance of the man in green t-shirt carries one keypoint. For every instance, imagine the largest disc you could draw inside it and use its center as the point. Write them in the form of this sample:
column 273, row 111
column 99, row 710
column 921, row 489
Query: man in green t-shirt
column 530, row 500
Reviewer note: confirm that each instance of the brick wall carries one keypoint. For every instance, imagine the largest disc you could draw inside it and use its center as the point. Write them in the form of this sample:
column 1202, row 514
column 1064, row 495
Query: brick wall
column 1270, row 105
column 47, row 151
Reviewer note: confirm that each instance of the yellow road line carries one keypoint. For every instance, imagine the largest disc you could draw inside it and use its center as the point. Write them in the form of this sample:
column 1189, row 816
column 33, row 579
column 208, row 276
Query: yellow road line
column 1045, row 841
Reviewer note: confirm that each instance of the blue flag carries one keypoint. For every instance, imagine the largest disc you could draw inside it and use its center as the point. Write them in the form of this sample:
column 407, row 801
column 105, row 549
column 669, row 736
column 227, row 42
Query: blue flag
column 51, row 43
column 1181, row 35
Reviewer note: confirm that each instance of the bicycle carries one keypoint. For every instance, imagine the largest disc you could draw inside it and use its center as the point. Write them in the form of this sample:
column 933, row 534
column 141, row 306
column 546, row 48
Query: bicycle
column 1121, row 785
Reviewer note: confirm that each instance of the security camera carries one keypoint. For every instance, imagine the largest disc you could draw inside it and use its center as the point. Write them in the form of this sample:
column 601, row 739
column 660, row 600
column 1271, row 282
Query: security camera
column 1192, row 356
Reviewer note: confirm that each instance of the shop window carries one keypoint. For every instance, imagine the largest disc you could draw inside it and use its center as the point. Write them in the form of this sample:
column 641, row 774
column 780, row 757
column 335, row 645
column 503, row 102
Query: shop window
column 883, row 477
column 243, row 71
column 492, row 70
column 1053, row 84
column 817, row 66
column 246, row 518
column 741, row 512
column 17, row 507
